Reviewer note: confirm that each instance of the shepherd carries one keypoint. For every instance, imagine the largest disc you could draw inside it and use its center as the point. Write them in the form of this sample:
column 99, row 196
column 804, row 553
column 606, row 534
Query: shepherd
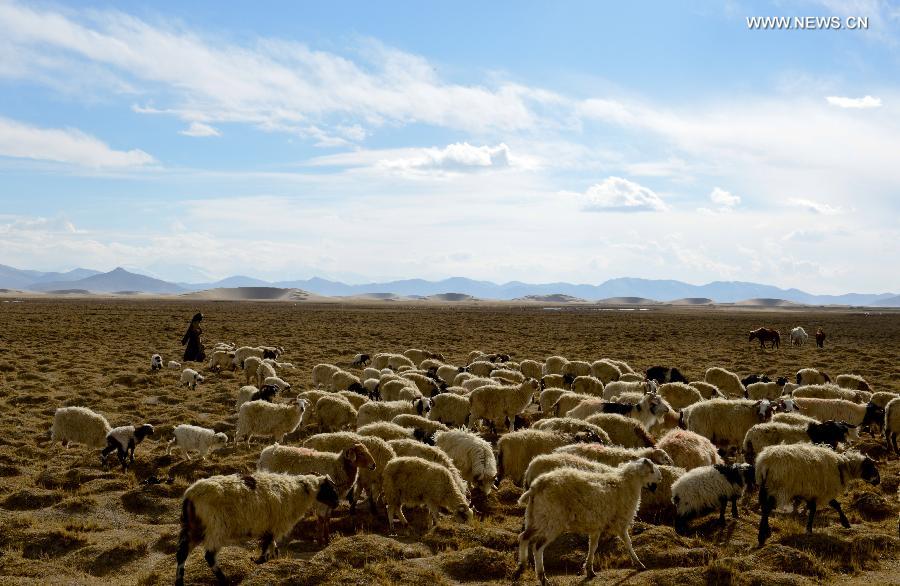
column 194, row 350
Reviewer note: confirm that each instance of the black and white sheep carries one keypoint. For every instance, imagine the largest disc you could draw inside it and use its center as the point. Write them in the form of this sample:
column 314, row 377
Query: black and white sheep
column 123, row 440
column 665, row 374
column 190, row 378
column 156, row 362
column 762, row 435
column 706, row 488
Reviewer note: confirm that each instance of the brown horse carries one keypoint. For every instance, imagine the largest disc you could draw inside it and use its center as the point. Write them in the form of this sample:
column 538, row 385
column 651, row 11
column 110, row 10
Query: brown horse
column 766, row 335
column 820, row 338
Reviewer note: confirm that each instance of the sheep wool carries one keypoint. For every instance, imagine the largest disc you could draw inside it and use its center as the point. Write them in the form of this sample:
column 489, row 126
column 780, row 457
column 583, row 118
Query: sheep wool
column 498, row 404
column 689, row 450
column 473, row 457
column 554, row 365
column 725, row 421
column 386, row 430
column 679, row 395
column 623, row 431
column 706, row 488
column 450, row 409
column 842, row 410
column 268, row 419
column 555, row 460
column 79, row 425
column 531, row 369
column 335, row 413
column 707, row 391
column 588, row 385
column 726, row 381
column 194, row 438
column 853, row 381
column 615, row 455
column 322, row 373
column 605, row 370
column 413, row 481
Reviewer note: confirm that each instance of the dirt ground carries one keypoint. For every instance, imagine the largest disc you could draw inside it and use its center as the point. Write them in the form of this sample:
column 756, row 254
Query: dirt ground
column 65, row 520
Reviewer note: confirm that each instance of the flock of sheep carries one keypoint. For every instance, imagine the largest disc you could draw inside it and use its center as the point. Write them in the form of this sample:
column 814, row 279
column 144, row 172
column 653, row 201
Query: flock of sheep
column 600, row 444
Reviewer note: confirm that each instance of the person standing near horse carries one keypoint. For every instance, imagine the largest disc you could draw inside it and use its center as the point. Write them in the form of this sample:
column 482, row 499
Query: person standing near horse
column 194, row 350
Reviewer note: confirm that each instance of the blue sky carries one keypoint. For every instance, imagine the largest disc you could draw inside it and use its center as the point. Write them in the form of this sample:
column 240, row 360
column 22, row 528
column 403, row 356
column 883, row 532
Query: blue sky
column 574, row 141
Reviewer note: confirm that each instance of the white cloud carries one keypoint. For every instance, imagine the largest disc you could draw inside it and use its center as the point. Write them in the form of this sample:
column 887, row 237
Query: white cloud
column 723, row 198
column 64, row 146
column 457, row 157
column 815, row 206
column 858, row 103
column 200, row 129
column 616, row 194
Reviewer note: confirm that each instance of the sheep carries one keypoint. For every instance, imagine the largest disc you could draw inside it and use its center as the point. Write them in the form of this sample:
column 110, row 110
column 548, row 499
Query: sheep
column 725, row 421
column 220, row 510
column 764, row 390
column 450, row 409
column 398, row 389
column 361, row 360
column 368, row 480
column 198, row 439
column 268, row 419
column 345, row 381
column 220, row 360
column 608, row 503
column 605, row 370
column 576, row 368
column 173, row 365
column 245, row 352
column 418, row 422
column 689, row 450
column 615, row 455
column 311, row 398
column 516, row 450
column 322, row 373
column 354, row 398
column 555, row 460
column 334, row 413
column 190, row 378
column 548, row 398
column 462, row 377
column 649, row 410
column 398, row 361
column 657, row 504
column 623, row 431
column 418, row 356
column 341, row 468
column 679, row 395
column 481, row 368
column 831, row 391
column 726, row 381
column 571, row 426
column 123, row 440
column 811, row 376
column 508, row 376
column 409, row 480
column 707, row 390
column 408, row 447
column 882, row 398
column 853, row 381
column 799, row 336
column 705, row 488
column 427, row 386
column 588, row 385
column 892, row 424
column 79, row 425
column 868, row 414
column 264, row 370
column 554, row 365
column 370, row 372
column 276, row 382
column 812, row 473
column 531, row 369
column 156, row 362
column 559, row 381
column 387, row 410
column 447, row 372
column 665, row 374
column 618, row 387
column 472, row 455
column 497, row 403
column 767, row 434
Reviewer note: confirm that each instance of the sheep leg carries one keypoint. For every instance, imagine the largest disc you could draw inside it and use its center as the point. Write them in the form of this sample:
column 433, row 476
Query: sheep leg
column 626, row 539
column 184, row 548
column 766, row 503
column 539, row 562
column 524, row 547
column 734, row 509
column 837, row 507
column 267, row 540
column 811, row 505
column 213, row 564
column 723, row 503
column 592, row 550
column 170, row 445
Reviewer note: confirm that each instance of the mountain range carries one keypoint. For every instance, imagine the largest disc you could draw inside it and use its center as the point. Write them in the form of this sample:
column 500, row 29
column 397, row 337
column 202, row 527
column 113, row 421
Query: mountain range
column 121, row 280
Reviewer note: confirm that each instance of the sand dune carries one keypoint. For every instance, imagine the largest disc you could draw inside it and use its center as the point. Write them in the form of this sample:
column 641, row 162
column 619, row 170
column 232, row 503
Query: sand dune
column 252, row 294
column 693, row 301
column 627, row 301
column 451, row 297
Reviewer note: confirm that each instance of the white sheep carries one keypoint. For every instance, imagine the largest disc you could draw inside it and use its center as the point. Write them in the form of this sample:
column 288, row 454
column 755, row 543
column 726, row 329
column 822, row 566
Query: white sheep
column 194, row 438
column 623, row 431
column 450, row 409
column 173, row 365
column 156, row 362
column 426, row 385
column 387, row 410
column 572, row 426
column 190, row 378
column 221, row 360
column 853, row 381
column 588, row 385
column 707, row 390
column 251, row 393
column 798, row 336
column 481, row 368
column 268, row 419
column 576, row 368
column 554, row 365
column 615, row 455
column 631, row 377
column 79, row 425
column 507, row 376
column 811, row 376
column 497, row 404
column 335, row 413
column 399, row 389
column 516, row 450
column 345, row 381
column 773, row 433
column 606, row 370
column 264, row 370
column 414, row 481
column 411, row 421
column 726, row 381
column 555, row 460
column 548, row 398
column 860, row 415
column 892, row 424
column 387, row 431
column 725, row 421
column 322, row 373
column 221, row 510
column 354, row 398
column 831, row 391
column 882, row 398
column 413, row 448
column 470, row 384
column 531, row 369
column 706, row 488
column 607, row 503
column 417, row 356
column 472, row 455
column 245, row 352
column 679, row 395
column 275, row 381
column 689, row 450
column 448, row 372
column 812, row 473
column 761, row 390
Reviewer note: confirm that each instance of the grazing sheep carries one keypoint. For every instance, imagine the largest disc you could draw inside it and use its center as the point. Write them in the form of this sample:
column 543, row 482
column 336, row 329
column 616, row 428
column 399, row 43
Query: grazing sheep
column 516, row 450
column 812, row 473
column 408, row 447
column 450, row 409
column 495, row 404
column 764, row 390
column 689, row 450
column 123, row 440
column 399, row 389
column 571, row 426
column 665, row 374
column 354, row 398
column 418, row 422
column 388, row 431
column 882, row 398
column 335, row 413
column 707, row 390
column 268, row 419
column 387, row 410
column 619, row 387
column 361, row 360
column 251, row 367
column 156, row 362
column 762, row 435
column 868, row 414
column 198, row 439
column 555, row 460
column 481, row 368
column 679, row 395
column 79, row 425
column 892, row 424
column 414, row 481
column 615, row 455
column 623, row 431
column 418, row 356
column 554, row 365
column 427, row 386
column 607, row 503
column 548, row 397
column 220, row 510
column 221, row 360
column 587, row 385
column 725, row 421
column 322, row 373
column 811, row 376
column 726, row 381
column 341, row 468
column 264, row 370
column 831, row 391
column 472, row 455
column 190, row 378
column 392, row 361
column 276, row 382
column 370, row 372
column 605, row 370
column 531, row 369
column 649, row 410
column 799, row 336
column 507, row 376
column 576, row 368
column 173, row 365
column 706, row 488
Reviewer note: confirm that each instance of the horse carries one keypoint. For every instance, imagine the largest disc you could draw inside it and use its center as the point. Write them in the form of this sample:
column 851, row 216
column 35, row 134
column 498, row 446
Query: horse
column 766, row 335
column 820, row 338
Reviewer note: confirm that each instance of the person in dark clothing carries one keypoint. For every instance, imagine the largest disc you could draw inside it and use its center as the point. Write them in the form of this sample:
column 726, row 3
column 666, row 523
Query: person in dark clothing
column 194, row 350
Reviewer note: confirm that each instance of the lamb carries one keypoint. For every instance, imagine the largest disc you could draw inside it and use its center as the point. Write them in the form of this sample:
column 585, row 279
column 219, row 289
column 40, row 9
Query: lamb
column 361, row 360
column 554, row 365
column 763, row 435
column 220, row 360
column 615, row 455
column 387, row 410
column 156, row 362
column 605, row 370
column 618, row 387
column 517, row 449
column 811, row 376
column 408, row 447
column 705, row 488
column 220, row 510
column 198, row 439
column 689, row 450
column 799, row 336
column 173, row 365
column 868, row 414
column 892, row 424
column 335, row 413
column 707, row 390
column 831, row 391
column 341, row 468
column 418, row 422
column 473, row 456
column 555, row 460
column 623, row 431
column 268, row 419
column 450, row 409
column 610, row 502
column 414, row 481
column 531, row 369
column 812, row 473
column 190, row 378
column 576, row 368
column 853, row 381
column 79, row 425
column 725, row 421
column 571, row 426
column 726, row 381
column 345, row 381
column 495, row 404
column 123, row 440
column 764, row 390
column 588, row 385
column 322, row 373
